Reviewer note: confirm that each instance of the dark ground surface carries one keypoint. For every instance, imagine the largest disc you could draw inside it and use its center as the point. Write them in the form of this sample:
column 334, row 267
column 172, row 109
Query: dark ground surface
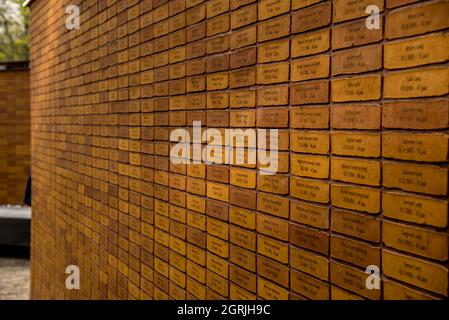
column 14, row 273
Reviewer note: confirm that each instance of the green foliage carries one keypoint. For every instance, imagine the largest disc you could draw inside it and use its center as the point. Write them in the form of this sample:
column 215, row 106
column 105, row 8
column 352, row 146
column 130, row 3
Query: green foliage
column 14, row 19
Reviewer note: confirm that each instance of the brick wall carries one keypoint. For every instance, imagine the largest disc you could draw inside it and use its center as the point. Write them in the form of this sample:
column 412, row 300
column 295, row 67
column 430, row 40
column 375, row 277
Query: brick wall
column 14, row 135
column 363, row 147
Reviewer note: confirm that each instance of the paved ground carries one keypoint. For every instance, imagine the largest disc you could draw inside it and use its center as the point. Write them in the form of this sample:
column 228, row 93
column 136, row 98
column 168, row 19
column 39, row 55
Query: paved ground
column 14, row 278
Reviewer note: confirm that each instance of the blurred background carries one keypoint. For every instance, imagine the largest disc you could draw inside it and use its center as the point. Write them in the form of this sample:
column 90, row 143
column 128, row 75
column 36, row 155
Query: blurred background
column 15, row 175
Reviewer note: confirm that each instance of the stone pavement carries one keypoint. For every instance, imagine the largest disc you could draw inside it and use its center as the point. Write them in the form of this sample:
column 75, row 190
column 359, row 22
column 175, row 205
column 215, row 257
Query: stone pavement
column 14, row 278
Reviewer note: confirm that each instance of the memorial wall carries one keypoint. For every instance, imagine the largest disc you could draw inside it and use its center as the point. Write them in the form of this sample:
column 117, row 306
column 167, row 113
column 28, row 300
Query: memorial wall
column 350, row 109
column 15, row 130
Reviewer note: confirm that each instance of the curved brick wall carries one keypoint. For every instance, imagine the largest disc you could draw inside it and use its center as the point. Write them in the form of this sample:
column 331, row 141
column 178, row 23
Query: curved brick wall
column 363, row 173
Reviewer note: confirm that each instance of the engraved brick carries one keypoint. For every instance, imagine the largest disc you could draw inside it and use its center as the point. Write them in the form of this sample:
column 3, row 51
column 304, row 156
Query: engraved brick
column 357, row 60
column 310, row 68
column 310, row 43
column 311, row 18
column 310, row 92
column 420, row 273
column 419, row 115
column 420, row 51
column 356, row 116
column 415, row 177
column 355, row 34
column 416, row 209
column 356, row 89
column 273, row 51
column 274, row 28
column 347, row 10
column 243, row 16
column 271, row 8
column 418, row 83
column 417, row 20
